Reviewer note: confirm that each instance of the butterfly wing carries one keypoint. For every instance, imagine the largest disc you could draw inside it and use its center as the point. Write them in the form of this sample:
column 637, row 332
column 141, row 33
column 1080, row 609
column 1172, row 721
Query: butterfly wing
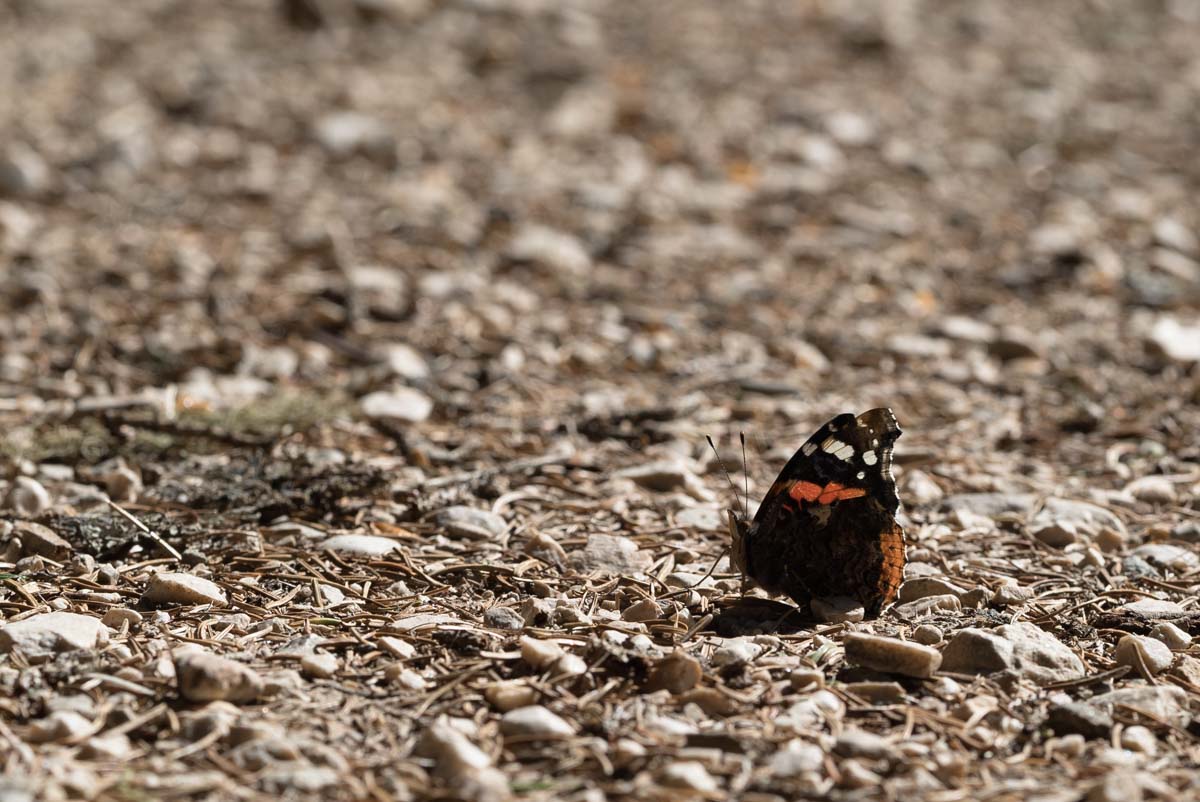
column 827, row 526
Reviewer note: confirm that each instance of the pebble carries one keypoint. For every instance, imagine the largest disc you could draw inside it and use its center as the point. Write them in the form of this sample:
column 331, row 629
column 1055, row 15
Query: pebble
column 803, row 679
column 856, row 775
column 547, row 549
column 927, row 606
column 1058, row 534
column 509, row 695
column 1154, row 609
column 41, row 636
column 795, row 758
column 405, row 361
column 703, row 518
column 28, row 497
column 925, row 586
column 1168, row 556
column 503, row 618
column 1154, row 654
column 927, row 634
column 641, row 610
column 1079, row 718
column 396, row 647
column 1021, row 647
column 360, row 545
column 611, row 554
column 345, row 133
column 23, row 172
column 535, row 721
column 677, row 672
column 1152, row 490
column 838, row 610
column 471, row 523
column 112, row 746
column 207, row 677
column 877, row 692
column 892, row 655
column 1166, row 702
column 123, row 484
column 736, row 652
column 177, row 588
column 1171, row 233
column 550, row 248
column 319, row 664
column 688, row 774
column 400, row 403
column 41, row 541
column 854, row 742
column 1011, row 595
column 1110, row 540
column 405, row 677
column 1178, row 342
column 1116, row 786
column 61, row 725
column 115, row 617
column 1171, row 635
column 540, row 654
column 920, row 489
column 1137, row 738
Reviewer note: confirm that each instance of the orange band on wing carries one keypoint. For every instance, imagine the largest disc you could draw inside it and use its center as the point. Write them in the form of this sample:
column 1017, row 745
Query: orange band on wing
column 835, row 492
column 805, row 491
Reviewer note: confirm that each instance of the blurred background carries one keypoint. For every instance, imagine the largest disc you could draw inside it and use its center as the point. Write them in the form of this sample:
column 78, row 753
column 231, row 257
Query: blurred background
column 525, row 216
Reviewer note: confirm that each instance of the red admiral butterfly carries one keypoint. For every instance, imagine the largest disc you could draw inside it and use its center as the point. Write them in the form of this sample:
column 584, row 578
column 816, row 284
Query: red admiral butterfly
column 827, row 526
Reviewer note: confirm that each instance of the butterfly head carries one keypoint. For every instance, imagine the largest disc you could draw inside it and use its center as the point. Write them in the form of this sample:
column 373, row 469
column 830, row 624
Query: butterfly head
column 739, row 535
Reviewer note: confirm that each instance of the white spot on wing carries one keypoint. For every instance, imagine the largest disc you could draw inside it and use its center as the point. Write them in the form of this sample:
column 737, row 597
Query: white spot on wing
column 870, row 457
column 860, row 475
column 808, row 448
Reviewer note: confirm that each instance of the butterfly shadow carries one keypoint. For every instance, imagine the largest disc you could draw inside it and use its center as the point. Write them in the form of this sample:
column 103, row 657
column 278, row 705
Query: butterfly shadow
column 751, row 615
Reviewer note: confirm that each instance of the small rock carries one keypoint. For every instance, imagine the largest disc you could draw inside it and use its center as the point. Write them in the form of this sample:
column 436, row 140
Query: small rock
column 404, row 677
column 611, row 554
column 400, row 403
column 1110, row 540
column 1152, row 489
column 546, row 549
column 924, row 586
column 206, row 677
column 503, row 618
column 815, row 709
column 115, row 617
column 797, row 757
column 123, row 484
column 1176, row 341
column 401, row 649
column 60, row 726
column 892, row 655
column 1154, row 609
column 406, row 362
column 837, row 609
column 1166, row 702
column 1153, row 654
column 1168, row 556
column 319, row 665
column 884, row 693
column 1078, row 718
column 462, row 764
column 509, row 695
column 1171, row 635
column 927, row 606
column 1011, row 595
column 540, row 654
column 535, row 721
column 41, row 541
column 702, row 518
column 1022, row 647
column 927, row 634
column 1171, row 233
column 545, row 246
column 920, row 489
column 1137, row 738
column 41, row 636
column 1058, row 534
column 688, row 774
column 641, row 610
column 471, row 523
column 861, row 743
column 177, row 588
column 23, row 172
column 28, row 497
column 113, row 746
column 736, row 652
column 803, row 679
column 856, row 775
column 345, row 133
column 360, row 545
column 1116, row 786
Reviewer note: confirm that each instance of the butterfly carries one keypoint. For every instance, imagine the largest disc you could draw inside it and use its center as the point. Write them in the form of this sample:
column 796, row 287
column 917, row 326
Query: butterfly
column 827, row 526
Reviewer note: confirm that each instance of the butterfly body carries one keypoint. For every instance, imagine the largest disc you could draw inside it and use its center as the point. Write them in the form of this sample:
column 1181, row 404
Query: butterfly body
column 827, row 525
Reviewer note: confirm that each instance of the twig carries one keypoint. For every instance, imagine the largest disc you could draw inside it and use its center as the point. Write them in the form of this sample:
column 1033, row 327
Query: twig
column 167, row 547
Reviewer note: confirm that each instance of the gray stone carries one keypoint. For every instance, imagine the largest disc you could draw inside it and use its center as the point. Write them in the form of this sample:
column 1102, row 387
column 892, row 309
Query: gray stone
column 1154, row 609
column 795, row 758
column 207, row 677
column 1152, row 490
column 471, row 523
column 1134, row 649
column 924, row 586
column 1021, row 647
column 611, row 554
column 1168, row 556
column 503, row 618
column 837, row 609
column 553, row 249
column 892, row 655
column 690, row 775
column 1171, row 635
column 1166, row 702
column 27, row 496
column 406, row 362
column 360, row 545
column 854, row 742
column 346, row 133
column 41, row 541
column 178, row 588
column 535, row 721
column 41, row 636
column 403, row 404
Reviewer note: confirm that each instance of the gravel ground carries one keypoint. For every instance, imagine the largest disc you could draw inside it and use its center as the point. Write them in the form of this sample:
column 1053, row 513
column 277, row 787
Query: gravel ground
column 356, row 362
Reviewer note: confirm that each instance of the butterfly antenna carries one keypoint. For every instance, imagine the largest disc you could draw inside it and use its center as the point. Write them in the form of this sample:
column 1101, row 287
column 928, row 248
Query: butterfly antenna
column 745, row 474
column 725, row 470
